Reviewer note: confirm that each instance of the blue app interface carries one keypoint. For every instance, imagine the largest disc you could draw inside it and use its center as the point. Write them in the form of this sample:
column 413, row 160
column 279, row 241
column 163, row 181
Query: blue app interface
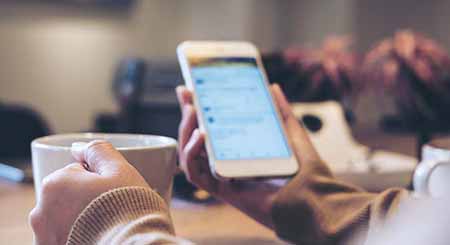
column 236, row 108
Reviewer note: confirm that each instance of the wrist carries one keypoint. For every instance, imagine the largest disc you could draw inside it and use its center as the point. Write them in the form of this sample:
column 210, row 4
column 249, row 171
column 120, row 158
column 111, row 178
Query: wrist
column 115, row 207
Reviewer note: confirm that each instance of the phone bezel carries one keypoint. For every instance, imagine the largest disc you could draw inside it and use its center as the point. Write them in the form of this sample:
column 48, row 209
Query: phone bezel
column 234, row 169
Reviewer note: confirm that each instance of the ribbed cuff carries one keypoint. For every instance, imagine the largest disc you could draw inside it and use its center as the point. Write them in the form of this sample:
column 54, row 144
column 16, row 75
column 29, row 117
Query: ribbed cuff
column 113, row 208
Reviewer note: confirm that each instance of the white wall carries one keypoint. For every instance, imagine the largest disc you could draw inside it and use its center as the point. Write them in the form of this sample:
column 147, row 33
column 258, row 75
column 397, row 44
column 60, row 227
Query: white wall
column 311, row 21
column 58, row 62
column 60, row 59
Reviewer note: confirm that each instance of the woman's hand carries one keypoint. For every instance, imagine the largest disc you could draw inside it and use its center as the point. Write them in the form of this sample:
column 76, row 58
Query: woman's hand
column 66, row 192
column 252, row 197
column 191, row 147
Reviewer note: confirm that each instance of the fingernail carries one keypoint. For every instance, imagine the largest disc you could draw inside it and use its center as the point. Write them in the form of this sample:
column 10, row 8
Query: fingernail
column 276, row 86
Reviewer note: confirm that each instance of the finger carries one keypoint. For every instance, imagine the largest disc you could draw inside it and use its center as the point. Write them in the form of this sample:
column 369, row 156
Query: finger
column 187, row 125
column 76, row 167
column 195, row 164
column 292, row 125
column 100, row 156
column 39, row 221
column 282, row 103
column 56, row 181
column 60, row 181
column 53, row 182
column 193, row 148
column 38, row 224
column 296, row 133
column 184, row 96
column 207, row 181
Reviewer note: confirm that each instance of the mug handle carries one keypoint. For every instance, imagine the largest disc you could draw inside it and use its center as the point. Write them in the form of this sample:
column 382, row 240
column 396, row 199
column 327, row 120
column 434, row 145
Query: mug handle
column 422, row 175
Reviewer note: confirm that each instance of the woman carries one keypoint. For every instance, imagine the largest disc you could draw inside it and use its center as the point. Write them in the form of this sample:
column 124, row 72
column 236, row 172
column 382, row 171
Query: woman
column 103, row 199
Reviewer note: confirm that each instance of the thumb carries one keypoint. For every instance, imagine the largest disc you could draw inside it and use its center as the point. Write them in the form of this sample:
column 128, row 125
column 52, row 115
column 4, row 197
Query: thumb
column 293, row 127
column 298, row 136
column 99, row 156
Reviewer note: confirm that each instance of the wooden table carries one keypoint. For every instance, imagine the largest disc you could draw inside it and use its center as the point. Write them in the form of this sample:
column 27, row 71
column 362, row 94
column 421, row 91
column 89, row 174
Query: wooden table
column 205, row 224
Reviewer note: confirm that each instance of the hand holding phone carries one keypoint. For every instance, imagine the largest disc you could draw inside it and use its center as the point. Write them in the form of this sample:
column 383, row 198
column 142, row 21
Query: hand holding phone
column 251, row 197
column 245, row 137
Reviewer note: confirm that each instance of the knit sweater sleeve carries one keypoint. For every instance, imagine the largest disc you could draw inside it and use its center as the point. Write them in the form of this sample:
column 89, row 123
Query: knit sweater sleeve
column 316, row 208
column 129, row 215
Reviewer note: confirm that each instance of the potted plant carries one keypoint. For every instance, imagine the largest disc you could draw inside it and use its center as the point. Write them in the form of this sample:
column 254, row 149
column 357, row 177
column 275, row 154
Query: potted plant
column 316, row 74
column 415, row 72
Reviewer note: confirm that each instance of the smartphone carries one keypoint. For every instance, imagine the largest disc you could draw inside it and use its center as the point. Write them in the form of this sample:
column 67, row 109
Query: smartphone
column 244, row 134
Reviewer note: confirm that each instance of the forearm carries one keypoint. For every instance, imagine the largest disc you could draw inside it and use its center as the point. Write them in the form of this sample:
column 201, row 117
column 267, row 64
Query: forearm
column 315, row 208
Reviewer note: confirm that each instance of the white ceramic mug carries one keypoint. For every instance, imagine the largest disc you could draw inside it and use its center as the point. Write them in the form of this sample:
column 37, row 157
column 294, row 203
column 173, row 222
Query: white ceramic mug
column 153, row 156
column 432, row 176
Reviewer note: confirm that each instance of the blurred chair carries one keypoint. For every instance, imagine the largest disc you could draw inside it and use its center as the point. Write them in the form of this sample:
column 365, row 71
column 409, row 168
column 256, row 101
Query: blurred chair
column 348, row 159
column 19, row 126
column 127, row 88
column 145, row 92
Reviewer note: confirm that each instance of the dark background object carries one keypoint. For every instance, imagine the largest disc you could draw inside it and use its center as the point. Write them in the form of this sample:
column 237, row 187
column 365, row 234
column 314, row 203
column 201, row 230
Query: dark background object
column 312, row 123
column 19, row 125
column 295, row 84
column 284, row 74
column 128, row 88
column 145, row 92
column 316, row 74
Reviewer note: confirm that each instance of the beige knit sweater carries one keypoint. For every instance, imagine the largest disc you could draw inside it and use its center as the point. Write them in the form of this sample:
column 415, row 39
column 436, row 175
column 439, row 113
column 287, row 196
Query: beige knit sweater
column 313, row 208
column 130, row 215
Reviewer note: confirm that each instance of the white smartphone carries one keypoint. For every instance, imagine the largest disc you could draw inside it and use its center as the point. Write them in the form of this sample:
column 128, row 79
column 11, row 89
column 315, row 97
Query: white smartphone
column 245, row 137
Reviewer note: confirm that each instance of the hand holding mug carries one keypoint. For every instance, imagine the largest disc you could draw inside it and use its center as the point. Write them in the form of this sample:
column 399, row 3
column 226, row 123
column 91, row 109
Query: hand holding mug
column 67, row 191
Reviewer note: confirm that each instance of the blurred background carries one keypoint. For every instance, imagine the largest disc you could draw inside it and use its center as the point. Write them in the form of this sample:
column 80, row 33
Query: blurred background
column 110, row 66
column 370, row 80
column 60, row 57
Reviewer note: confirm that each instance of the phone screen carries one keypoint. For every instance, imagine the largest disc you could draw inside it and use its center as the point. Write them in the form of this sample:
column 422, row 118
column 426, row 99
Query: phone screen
column 237, row 111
